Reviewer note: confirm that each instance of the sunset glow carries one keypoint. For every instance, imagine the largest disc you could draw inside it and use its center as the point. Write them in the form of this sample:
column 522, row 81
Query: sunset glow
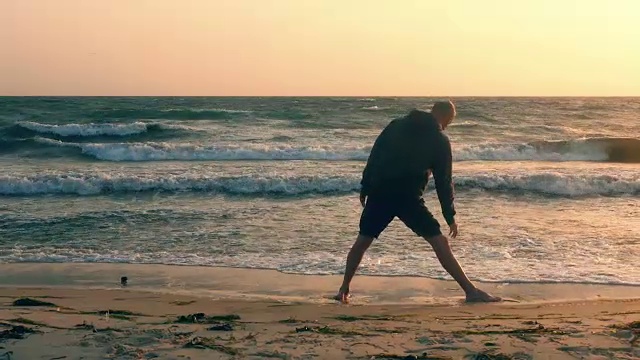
column 329, row 47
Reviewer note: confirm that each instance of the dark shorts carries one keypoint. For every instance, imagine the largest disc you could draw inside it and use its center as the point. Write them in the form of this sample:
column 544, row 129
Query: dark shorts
column 380, row 211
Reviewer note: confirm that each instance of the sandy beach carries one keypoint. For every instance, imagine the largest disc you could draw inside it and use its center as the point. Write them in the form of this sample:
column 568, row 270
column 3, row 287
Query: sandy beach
column 80, row 311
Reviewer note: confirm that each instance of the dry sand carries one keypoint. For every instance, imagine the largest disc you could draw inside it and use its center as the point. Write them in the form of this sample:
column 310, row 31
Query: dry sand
column 261, row 314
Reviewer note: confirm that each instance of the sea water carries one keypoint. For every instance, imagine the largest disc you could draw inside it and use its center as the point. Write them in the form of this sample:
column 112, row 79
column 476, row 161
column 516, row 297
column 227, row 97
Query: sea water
column 547, row 189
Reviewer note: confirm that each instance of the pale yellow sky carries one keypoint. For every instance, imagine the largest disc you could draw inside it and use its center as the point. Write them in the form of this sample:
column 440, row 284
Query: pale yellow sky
column 320, row 47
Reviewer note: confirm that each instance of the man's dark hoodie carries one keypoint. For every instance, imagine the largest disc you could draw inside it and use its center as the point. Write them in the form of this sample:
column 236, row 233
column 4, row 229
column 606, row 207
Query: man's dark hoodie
column 402, row 156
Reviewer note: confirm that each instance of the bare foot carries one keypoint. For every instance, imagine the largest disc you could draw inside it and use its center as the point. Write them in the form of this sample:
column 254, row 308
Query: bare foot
column 342, row 296
column 479, row 296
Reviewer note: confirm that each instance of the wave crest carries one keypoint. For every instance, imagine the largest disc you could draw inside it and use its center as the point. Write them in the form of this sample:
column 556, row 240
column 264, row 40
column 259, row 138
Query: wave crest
column 93, row 129
column 596, row 149
column 546, row 184
column 160, row 151
column 626, row 150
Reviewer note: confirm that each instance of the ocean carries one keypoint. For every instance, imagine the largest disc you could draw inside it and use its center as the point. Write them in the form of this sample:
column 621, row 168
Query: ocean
column 547, row 189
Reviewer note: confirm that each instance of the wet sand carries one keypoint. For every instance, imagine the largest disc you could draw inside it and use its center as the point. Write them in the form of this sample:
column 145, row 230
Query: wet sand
column 172, row 312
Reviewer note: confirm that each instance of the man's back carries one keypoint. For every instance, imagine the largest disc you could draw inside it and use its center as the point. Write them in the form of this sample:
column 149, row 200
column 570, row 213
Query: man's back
column 403, row 153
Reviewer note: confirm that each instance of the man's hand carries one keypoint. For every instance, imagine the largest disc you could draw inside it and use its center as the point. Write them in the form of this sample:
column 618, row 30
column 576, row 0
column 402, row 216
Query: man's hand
column 363, row 199
column 453, row 230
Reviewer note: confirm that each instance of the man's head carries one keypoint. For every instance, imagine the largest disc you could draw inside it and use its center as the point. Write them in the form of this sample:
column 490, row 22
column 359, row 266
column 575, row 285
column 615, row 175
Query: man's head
column 444, row 112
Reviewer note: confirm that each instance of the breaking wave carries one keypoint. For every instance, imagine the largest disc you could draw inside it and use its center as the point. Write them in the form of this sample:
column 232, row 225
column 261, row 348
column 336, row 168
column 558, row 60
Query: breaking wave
column 625, row 150
column 27, row 130
column 91, row 129
column 176, row 151
column 546, row 184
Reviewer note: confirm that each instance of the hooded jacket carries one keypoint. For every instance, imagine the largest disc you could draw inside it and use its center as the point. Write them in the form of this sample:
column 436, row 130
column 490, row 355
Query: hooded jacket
column 404, row 154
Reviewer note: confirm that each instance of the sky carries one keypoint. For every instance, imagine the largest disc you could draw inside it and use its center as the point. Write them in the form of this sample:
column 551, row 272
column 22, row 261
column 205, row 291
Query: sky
column 320, row 47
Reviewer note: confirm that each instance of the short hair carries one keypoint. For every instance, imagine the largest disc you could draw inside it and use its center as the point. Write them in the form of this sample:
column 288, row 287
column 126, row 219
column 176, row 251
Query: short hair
column 444, row 107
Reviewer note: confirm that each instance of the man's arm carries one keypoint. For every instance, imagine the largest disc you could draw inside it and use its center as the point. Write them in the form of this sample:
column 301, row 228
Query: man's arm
column 442, row 174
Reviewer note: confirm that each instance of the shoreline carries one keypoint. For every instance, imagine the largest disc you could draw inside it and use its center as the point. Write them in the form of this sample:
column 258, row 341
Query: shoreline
column 266, row 284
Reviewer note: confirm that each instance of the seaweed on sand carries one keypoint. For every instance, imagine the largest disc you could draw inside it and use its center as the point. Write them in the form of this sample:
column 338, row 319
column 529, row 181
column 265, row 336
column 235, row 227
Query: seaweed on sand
column 182, row 303
column 207, row 343
column 202, row 318
column 290, row 320
column 490, row 355
column 328, row 331
column 16, row 332
column 116, row 314
column 350, row 318
column 25, row 321
column 32, row 302
column 632, row 326
column 423, row 356
column 538, row 330
column 222, row 327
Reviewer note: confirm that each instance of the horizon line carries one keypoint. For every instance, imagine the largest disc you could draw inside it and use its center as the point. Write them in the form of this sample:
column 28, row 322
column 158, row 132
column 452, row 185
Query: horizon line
column 343, row 96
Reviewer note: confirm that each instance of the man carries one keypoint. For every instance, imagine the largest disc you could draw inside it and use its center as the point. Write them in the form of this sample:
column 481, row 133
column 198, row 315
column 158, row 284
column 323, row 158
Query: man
column 393, row 181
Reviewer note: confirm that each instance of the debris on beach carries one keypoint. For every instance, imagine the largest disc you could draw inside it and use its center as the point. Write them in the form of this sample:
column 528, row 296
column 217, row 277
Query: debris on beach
column 85, row 326
column 530, row 322
column 123, row 281
column 202, row 318
column 182, row 303
column 32, row 302
column 121, row 350
column 17, row 332
column 290, row 320
column 221, row 327
column 490, row 355
column 93, row 328
column 634, row 326
column 26, row 321
column 631, row 331
column 272, row 355
column 423, row 356
column 537, row 330
column 328, row 331
column 207, row 343
column 116, row 314
column 350, row 318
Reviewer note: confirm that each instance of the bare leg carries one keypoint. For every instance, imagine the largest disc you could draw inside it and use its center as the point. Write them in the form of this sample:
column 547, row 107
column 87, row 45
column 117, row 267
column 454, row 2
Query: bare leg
column 443, row 251
column 353, row 261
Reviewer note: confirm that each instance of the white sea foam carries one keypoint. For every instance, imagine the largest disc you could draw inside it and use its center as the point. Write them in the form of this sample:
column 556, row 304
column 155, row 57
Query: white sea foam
column 91, row 129
column 156, row 151
column 549, row 184
column 374, row 108
column 524, row 152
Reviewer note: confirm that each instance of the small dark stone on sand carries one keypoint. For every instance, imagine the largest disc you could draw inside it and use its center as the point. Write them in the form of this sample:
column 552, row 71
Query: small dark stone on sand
column 32, row 302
